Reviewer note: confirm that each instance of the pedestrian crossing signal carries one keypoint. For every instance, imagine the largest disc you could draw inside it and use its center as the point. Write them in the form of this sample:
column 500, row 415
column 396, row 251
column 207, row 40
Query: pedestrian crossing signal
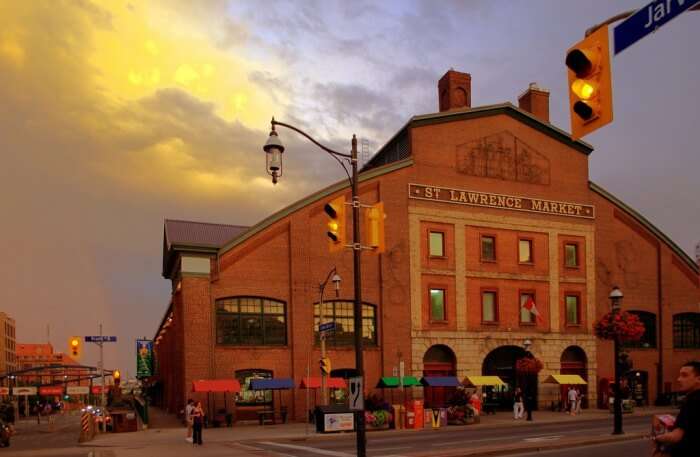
column 590, row 83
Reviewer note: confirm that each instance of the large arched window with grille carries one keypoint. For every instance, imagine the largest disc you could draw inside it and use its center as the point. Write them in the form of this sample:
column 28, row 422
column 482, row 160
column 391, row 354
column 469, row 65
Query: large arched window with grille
column 686, row 331
column 648, row 340
column 341, row 312
column 251, row 321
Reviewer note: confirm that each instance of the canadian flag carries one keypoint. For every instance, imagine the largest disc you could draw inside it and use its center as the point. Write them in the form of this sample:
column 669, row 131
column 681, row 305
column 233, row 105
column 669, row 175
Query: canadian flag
column 530, row 306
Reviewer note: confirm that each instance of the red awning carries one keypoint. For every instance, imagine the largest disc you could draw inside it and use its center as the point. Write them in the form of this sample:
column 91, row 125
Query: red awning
column 216, row 385
column 315, row 383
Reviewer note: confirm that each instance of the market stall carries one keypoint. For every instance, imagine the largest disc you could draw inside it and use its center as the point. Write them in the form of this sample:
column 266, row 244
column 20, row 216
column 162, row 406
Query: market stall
column 278, row 384
column 563, row 380
column 217, row 386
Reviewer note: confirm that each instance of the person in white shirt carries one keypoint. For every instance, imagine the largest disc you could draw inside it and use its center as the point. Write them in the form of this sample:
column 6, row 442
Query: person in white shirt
column 573, row 398
column 188, row 419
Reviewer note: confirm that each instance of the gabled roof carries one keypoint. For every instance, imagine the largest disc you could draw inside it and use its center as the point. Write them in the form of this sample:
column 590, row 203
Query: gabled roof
column 193, row 236
column 393, row 149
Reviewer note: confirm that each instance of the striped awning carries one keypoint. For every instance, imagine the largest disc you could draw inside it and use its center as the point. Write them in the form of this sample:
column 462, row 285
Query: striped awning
column 568, row 379
column 473, row 381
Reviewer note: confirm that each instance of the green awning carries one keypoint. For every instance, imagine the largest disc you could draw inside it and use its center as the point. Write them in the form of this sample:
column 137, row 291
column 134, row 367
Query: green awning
column 392, row 382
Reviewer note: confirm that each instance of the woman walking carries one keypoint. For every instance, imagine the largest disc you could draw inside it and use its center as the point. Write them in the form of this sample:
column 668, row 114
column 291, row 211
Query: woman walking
column 197, row 422
column 518, row 406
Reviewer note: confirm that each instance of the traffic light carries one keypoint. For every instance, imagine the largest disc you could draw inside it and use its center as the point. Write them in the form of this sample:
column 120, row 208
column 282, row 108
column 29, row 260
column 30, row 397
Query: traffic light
column 117, row 377
column 335, row 209
column 590, row 84
column 75, row 347
column 325, row 363
column 374, row 224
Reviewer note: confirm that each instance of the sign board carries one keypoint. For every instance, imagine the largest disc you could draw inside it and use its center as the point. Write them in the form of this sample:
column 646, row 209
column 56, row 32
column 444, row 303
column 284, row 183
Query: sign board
column 338, row 422
column 98, row 389
column 647, row 20
column 77, row 390
column 4, row 391
column 100, row 339
column 326, row 327
column 144, row 358
column 356, row 393
column 24, row 391
column 51, row 390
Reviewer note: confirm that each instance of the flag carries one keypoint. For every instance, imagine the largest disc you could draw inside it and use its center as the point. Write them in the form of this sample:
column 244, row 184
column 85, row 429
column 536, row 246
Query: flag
column 530, row 306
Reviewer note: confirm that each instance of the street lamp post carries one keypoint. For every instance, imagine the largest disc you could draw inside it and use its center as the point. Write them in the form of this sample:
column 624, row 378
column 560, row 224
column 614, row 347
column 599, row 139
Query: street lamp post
column 527, row 377
column 274, row 150
column 335, row 277
column 615, row 301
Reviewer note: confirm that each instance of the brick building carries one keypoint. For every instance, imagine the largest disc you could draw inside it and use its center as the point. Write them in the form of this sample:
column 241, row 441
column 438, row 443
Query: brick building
column 8, row 354
column 35, row 355
column 489, row 211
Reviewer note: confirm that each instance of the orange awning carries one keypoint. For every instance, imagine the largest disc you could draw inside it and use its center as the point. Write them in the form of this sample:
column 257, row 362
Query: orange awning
column 315, row 383
column 216, row 385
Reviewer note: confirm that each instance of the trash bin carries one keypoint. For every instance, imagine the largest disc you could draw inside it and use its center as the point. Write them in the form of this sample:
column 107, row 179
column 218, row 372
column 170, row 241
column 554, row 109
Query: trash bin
column 443, row 417
column 334, row 418
column 399, row 412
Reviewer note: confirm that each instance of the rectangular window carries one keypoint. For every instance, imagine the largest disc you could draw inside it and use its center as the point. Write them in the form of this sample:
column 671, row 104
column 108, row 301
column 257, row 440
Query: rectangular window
column 571, row 255
column 242, row 321
column 572, row 309
column 437, row 244
column 525, row 251
column 489, row 311
column 341, row 312
column 686, row 331
column 488, row 249
column 437, row 304
column 526, row 316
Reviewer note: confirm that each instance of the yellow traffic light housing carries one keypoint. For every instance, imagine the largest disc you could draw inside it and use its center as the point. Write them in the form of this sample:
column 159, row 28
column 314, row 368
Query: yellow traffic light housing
column 116, row 375
column 374, row 224
column 75, row 347
column 335, row 209
column 325, row 364
column 590, row 83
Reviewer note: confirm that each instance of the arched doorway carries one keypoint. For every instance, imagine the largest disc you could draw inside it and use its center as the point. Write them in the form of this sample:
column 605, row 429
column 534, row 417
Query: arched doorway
column 573, row 361
column 439, row 360
column 501, row 362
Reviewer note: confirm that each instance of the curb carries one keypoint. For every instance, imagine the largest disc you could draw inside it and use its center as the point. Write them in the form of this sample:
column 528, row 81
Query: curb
column 536, row 447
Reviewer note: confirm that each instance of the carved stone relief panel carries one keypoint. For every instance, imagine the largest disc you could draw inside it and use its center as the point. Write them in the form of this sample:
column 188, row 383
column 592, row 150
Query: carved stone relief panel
column 503, row 156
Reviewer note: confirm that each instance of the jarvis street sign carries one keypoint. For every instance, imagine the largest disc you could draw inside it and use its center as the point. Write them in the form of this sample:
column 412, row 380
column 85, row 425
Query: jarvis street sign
column 647, row 20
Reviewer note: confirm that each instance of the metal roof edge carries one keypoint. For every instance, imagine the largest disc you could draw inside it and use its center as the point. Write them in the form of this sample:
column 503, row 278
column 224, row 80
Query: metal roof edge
column 504, row 108
column 645, row 222
column 380, row 150
column 260, row 226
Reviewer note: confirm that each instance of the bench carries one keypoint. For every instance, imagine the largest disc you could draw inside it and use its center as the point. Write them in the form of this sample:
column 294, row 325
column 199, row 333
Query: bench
column 266, row 416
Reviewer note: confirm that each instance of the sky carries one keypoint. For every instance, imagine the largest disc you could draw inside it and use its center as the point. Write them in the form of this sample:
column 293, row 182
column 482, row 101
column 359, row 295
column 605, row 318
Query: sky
column 117, row 114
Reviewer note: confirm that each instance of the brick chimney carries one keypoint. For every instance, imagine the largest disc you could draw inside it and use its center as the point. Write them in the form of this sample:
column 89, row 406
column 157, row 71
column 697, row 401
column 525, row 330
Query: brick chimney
column 455, row 91
column 535, row 100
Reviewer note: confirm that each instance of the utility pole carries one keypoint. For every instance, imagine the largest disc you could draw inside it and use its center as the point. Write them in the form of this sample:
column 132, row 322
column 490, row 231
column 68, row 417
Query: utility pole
column 102, row 390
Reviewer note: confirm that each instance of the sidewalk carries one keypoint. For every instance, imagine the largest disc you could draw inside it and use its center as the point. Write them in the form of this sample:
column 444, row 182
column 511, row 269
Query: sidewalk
column 170, row 441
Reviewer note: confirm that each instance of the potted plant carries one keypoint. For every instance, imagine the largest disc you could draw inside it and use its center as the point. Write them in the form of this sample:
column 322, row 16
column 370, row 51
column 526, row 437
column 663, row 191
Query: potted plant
column 377, row 413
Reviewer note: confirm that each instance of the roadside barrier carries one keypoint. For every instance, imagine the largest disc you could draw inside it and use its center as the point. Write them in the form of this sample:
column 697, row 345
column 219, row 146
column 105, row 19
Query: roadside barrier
column 87, row 427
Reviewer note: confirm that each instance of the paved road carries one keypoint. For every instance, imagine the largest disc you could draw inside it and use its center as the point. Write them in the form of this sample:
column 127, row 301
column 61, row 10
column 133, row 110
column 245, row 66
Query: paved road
column 452, row 438
column 31, row 436
column 639, row 448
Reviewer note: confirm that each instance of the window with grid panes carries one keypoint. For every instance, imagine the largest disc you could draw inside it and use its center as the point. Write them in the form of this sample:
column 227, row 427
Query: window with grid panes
column 686, row 331
column 251, row 321
column 341, row 312
column 488, row 248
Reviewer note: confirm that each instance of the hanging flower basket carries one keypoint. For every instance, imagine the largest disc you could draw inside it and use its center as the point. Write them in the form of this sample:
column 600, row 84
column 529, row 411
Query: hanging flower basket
column 622, row 325
column 528, row 365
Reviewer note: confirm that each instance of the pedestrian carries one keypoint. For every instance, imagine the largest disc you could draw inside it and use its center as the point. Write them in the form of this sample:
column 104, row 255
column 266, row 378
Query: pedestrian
column 197, row 423
column 188, row 419
column 579, row 400
column 572, row 401
column 684, row 439
column 518, row 406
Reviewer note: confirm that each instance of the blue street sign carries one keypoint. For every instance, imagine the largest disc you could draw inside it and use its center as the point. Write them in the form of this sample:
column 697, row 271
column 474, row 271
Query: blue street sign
column 100, row 339
column 326, row 327
column 647, row 20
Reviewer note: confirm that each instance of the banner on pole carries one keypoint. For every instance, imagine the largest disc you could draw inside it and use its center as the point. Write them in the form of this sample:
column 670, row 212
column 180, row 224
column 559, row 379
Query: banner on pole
column 144, row 358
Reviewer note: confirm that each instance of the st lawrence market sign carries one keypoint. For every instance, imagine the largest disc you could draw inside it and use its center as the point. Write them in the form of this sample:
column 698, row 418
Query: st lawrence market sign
column 471, row 198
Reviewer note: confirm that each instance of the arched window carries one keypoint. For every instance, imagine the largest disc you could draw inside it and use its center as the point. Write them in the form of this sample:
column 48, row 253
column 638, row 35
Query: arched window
column 686, row 331
column 251, row 321
column 648, row 340
column 341, row 312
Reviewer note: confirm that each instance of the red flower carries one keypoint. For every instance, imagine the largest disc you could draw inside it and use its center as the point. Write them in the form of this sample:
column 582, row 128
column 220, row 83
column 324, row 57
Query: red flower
column 623, row 325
